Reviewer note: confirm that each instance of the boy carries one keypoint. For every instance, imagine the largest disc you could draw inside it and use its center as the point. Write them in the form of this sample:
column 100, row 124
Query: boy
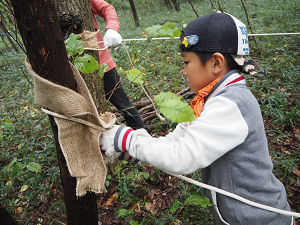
column 227, row 140
column 112, row 87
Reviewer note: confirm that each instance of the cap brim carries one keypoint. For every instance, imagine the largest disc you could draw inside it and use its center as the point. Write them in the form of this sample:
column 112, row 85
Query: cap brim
column 248, row 65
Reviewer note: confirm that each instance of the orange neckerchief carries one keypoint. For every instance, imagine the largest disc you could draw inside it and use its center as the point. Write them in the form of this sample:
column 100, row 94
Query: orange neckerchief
column 198, row 101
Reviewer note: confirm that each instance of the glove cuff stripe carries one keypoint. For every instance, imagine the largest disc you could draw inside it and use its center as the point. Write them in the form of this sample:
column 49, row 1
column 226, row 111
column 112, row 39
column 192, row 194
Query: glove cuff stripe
column 124, row 139
column 116, row 139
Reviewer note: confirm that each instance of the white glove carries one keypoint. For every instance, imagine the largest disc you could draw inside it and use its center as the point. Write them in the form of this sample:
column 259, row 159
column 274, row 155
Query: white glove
column 115, row 142
column 106, row 143
column 112, row 38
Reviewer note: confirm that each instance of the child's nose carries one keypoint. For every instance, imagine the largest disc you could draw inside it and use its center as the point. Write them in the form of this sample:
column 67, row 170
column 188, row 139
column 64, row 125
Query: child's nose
column 183, row 72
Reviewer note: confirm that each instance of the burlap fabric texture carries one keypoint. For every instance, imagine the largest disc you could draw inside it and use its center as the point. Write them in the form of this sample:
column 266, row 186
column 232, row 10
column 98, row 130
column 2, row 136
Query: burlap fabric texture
column 79, row 142
column 89, row 39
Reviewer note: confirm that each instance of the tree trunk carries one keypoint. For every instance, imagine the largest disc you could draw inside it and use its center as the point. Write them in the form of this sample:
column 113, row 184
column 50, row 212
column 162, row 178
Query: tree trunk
column 134, row 13
column 168, row 3
column 176, row 5
column 6, row 219
column 43, row 40
column 5, row 18
column 74, row 16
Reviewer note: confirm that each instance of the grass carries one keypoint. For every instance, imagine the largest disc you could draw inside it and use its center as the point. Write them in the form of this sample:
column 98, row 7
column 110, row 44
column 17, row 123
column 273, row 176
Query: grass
column 31, row 194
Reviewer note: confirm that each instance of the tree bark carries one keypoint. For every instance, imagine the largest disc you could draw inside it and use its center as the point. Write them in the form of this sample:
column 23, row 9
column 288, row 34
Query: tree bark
column 134, row 13
column 5, row 217
column 74, row 16
column 176, row 5
column 43, row 40
column 168, row 3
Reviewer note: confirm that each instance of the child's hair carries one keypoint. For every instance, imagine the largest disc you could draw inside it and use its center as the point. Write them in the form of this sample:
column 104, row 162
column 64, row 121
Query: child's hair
column 231, row 64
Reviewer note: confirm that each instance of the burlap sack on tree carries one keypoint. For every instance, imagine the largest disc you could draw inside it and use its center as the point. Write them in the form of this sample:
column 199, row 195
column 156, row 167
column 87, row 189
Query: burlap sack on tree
column 89, row 39
column 79, row 142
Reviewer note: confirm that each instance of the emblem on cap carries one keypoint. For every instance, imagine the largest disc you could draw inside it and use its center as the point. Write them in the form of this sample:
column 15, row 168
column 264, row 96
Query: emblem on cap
column 190, row 40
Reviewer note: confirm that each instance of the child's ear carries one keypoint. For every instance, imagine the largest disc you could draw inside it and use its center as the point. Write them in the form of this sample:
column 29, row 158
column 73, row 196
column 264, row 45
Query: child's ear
column 218, row 63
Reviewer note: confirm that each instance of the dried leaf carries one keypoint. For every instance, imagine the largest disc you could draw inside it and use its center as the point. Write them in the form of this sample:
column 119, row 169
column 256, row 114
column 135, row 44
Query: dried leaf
column 297, row 172
column 112, row 199
column 19, row 210
column 24, row 188
column 150, row 207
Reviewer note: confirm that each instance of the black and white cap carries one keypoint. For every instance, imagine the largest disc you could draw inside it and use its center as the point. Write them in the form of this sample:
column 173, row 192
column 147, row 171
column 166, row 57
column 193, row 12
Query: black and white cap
column 219, row 32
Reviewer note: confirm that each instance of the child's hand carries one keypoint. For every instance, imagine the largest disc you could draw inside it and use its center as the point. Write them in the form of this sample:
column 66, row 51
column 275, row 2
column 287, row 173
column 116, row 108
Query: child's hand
column 112, row 38
column 115, row 141
column 106, row 142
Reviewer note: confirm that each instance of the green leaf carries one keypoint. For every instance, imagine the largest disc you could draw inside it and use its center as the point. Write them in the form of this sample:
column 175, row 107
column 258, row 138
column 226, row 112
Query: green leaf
column 135, row 75
column 197, row 200
column 103, row 68
column 9, row 165
column 124, row 212
column 165, row 96
column 1, row 135
column 174, row 206
column 124, row 162
column 16, row 168
column 146, row 175
column 175, row 110
column 166, row 30
column 73, row 45
column 153, row 31
column 7, row 125
column 133, row 222
column 86, row 64
column 34, row 167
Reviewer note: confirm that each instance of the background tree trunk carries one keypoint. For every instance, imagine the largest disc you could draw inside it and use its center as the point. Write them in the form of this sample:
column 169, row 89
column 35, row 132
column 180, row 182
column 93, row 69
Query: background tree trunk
column 134, row 13
column 12, row 43
column 43, row 40
column 74, row 16
column 176, row 5
column 6, row 18
column 168, row 3
column 171, row 3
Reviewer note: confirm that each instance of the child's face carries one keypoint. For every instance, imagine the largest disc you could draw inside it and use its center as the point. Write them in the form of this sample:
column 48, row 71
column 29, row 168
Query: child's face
column 198, row 75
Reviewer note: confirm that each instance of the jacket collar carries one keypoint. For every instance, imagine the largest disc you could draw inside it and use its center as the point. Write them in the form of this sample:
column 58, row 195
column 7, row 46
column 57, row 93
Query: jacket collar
column 230, row 78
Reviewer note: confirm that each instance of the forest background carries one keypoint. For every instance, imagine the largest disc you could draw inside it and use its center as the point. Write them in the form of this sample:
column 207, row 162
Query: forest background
column 30, row 187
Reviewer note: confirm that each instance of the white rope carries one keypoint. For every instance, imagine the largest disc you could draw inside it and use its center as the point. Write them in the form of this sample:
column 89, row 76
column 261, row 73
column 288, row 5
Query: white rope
column 169, row 38
column 206, row 186
column 145, row 39
column 72, row 119
column 239, row 198
column 95, row 49
column 274, row 34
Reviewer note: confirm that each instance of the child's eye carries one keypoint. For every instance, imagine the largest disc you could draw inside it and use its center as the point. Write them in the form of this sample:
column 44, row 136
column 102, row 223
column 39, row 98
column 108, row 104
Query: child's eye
column 186, row 62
